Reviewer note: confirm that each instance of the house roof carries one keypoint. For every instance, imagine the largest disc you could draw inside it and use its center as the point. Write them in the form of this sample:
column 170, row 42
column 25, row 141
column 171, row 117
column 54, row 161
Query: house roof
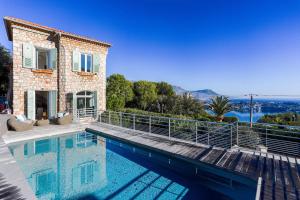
column 9, row 21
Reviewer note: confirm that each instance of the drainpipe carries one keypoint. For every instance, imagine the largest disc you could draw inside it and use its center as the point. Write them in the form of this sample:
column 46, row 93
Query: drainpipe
column 58, row 34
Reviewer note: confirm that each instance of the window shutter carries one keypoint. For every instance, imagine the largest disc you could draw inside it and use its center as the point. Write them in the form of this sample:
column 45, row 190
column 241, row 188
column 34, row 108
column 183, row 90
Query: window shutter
column 52, row 103
column 96, row 62
column 53, row 58
column 95, row 100
column 74, row 109
column 75, row 178
column 28, row 55
column 95, row 105
column 76, row 60
column 31, row 104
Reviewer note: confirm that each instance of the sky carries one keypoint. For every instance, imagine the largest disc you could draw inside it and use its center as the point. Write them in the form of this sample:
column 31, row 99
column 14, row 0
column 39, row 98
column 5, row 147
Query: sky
column 233, row 47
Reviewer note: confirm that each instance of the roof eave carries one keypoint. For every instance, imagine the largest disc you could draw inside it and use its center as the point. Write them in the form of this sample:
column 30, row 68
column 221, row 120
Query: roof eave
column 8, row 21
column 7, row 27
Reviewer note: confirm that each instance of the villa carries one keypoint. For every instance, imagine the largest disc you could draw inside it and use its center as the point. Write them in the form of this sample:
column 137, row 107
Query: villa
column 54, row 71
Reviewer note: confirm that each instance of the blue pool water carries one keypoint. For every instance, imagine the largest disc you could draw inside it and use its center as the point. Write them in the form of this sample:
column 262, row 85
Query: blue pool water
column 86, row 166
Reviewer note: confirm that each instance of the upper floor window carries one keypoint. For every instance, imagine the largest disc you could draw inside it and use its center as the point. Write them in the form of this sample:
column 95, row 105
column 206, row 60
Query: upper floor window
column 83, row 62
column 39, row 58
column 42, row 58
column 86, row 62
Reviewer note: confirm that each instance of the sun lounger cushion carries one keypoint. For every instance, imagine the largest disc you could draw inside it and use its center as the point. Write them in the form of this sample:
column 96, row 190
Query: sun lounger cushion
column 64, row 120
column 16, row 125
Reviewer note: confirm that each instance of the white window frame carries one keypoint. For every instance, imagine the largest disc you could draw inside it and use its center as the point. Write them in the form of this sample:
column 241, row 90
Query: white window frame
column 85, row 62
column 37, row 56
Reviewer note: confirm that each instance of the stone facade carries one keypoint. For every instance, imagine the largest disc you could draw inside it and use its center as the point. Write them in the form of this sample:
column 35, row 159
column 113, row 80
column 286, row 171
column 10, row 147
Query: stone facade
column 75, row 81
column 25, row 79
column 62, row 79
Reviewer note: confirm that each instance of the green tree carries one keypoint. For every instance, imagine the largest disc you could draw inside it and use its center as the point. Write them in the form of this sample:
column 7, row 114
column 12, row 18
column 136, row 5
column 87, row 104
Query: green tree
column 220, row 106
column 119, row 91
column 186, row 105
column 5, row 63
column 145, row 94
column 164, row 94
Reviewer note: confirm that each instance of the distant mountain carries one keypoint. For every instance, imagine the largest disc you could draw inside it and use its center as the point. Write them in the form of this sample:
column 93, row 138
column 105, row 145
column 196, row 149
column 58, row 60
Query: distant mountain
column 197, row 94
column 179, row 90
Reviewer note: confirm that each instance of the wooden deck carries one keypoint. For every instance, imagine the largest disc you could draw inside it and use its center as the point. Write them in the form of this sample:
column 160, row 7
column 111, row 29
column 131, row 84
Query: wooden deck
column 280, row 174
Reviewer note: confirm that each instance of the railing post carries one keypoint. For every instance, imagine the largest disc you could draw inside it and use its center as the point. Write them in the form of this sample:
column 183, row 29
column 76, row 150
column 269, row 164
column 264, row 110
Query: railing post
column 133, row 121
column 208, row 138
column 169, row 128
column 196, row 132
column 237, row 133
column 231, row 136
column 150, row 124
column 266, row 137
column 120, row 119
column 100, row 116
column 109, row 120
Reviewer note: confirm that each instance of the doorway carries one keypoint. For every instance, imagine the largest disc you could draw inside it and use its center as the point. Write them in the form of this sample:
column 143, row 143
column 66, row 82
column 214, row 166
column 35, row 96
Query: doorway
column 41, row 105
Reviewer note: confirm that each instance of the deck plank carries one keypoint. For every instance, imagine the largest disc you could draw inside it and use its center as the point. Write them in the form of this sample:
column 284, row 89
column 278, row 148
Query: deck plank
column 241, row 162
column 260, row 166
column 212, row 156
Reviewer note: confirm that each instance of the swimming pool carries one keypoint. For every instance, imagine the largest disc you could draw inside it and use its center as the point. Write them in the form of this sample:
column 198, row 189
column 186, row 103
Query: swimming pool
column 87, row 166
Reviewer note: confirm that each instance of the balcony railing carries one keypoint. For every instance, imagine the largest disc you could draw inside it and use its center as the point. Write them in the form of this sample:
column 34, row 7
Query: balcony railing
column 275, row 138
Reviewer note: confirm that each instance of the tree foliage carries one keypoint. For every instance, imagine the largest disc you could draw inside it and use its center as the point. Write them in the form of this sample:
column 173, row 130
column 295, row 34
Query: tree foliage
column 145, row 94
column 220, row 106
column 292, row 119
column 186, row 105
column 5, row 62
column 164, row 94
column 119, row 92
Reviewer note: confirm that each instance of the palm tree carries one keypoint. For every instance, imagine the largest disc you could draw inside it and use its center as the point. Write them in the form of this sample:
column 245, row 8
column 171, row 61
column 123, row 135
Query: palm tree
column 220, row 106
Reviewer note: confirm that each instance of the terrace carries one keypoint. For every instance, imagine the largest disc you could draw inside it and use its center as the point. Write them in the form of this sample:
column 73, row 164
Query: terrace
column 264, row 157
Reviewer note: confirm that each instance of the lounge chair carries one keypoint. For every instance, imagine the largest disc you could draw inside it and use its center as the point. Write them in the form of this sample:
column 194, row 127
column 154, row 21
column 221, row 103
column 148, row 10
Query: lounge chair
column 67, row 119
column 42, row 122
column 3, row 122
column 17, row 125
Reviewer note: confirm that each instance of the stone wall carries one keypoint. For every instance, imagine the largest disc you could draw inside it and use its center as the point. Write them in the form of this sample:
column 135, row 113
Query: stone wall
column 64, row 80
column 73, row 82
column 23, row 78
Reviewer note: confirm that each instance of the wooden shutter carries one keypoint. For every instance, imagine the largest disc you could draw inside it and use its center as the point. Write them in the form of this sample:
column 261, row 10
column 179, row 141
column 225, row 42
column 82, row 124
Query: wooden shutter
column 95, row 104
column 96, row 62
column 76, row 60
column 31, row 104
column 53, row 58
column 75, row 178
column 28, row 55
column 52, row 103
column 74, row 109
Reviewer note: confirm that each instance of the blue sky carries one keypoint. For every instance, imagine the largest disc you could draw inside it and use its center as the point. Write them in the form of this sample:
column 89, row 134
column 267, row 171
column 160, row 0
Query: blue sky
column 234, row 47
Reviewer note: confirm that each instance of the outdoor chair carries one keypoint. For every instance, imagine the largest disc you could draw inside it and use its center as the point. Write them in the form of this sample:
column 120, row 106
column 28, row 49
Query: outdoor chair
column 17, row 125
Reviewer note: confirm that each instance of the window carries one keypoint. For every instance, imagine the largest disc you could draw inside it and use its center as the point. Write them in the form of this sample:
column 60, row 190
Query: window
column 44, row 182
column 42, row 59
column 42, row 146
column 86, row 173
column 26, row 149
column 85, row 139
column 86, row 62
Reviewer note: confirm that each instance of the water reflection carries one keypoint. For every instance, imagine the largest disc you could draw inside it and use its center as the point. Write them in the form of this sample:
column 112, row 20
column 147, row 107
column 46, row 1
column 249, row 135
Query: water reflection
column 86, row 166
column 62, row 168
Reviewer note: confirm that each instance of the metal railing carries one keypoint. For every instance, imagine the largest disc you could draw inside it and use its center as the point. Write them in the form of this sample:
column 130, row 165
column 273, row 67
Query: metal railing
column 275, row 138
